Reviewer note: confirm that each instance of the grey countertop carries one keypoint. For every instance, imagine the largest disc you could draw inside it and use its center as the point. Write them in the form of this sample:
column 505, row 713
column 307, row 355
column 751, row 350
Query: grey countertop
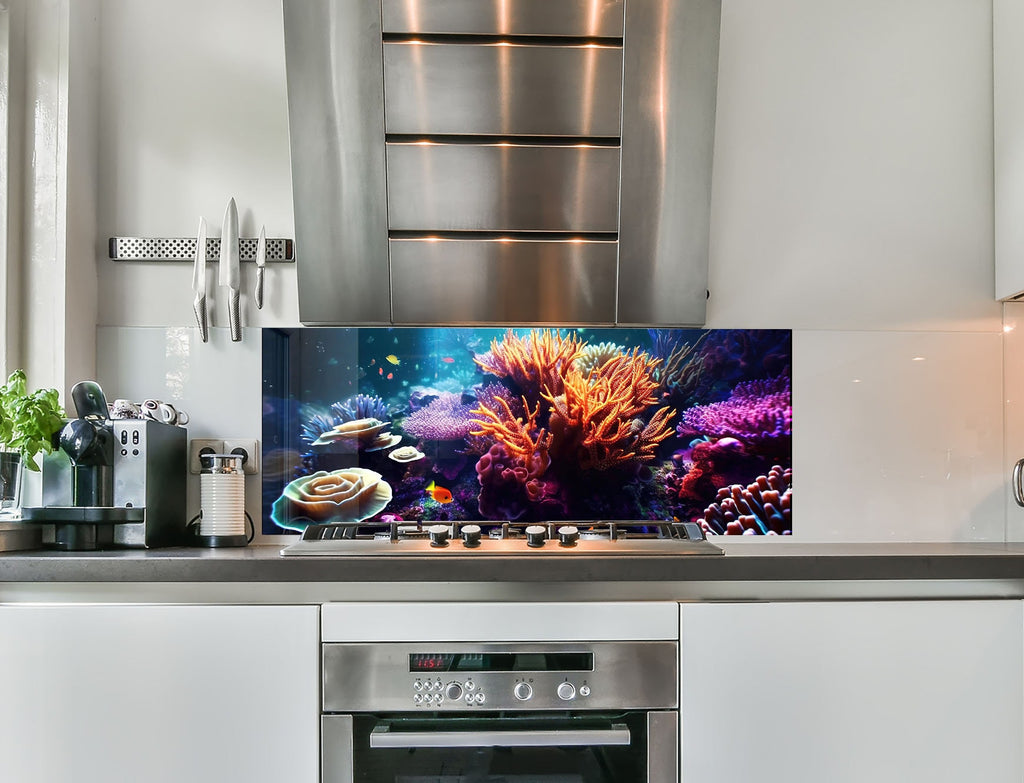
column 744, row 562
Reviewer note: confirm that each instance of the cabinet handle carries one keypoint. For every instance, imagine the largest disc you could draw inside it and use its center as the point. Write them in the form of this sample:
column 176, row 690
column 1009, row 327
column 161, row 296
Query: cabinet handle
column 1018, row 487
column 382, row 737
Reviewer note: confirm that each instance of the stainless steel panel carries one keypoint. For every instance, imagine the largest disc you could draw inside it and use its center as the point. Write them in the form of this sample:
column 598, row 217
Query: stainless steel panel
column 493, row 281
column 662, row 747
column 336, row 749
column 502, row 89
column 376, row 677
column 382, row 737
column 597, row 18
column 670, row 76
column 336, row 120
column 502, row 187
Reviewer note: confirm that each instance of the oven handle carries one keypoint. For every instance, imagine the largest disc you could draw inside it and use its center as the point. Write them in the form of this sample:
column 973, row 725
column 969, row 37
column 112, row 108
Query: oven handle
column 383, row 737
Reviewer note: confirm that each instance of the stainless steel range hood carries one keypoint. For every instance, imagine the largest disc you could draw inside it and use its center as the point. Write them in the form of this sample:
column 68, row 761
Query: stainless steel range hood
column 502, row 161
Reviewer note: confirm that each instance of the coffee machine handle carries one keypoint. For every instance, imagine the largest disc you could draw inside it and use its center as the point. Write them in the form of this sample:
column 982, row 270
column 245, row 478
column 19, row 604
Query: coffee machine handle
column 90, row 402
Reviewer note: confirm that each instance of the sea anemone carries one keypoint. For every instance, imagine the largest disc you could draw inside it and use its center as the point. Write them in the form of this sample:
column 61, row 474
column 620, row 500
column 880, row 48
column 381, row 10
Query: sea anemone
column 348, row 495
column 361, row 406
column 594, row 355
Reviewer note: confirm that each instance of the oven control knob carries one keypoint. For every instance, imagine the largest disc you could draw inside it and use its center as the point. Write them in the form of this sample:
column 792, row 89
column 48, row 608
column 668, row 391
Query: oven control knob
column 438, row 535
column 584, row 690
column 453, row 691
column 471, row 535
column 566, row 691
column 535, row 535
column 568, row 535
column 522, row 691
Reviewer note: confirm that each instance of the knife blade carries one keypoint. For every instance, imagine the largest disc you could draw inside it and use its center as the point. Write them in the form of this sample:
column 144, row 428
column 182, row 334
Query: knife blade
column 261, row 262
column 199, row 282
column 229, row 273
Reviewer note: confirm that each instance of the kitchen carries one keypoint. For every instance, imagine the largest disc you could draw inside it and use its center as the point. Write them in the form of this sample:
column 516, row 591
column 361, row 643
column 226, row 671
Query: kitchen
column 852, row 202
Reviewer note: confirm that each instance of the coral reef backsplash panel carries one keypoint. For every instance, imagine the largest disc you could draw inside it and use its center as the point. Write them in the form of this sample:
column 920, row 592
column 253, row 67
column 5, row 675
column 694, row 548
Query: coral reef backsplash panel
column 528, row 424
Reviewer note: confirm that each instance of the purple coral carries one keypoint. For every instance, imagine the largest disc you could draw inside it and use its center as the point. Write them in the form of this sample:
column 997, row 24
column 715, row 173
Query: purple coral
column 764, row 507
column 446, row 418
column 758, row 413
column 361, row 406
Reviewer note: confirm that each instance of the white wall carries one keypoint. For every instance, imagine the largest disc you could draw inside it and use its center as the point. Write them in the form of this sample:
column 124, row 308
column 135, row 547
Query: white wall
column 852, row 203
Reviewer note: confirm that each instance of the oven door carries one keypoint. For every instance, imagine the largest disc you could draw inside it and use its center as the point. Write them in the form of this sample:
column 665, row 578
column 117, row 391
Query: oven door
column 629, row 747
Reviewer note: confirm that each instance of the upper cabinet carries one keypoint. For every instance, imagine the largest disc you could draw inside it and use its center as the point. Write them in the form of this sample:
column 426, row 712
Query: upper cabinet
column 1008, row 128
column 502, row 161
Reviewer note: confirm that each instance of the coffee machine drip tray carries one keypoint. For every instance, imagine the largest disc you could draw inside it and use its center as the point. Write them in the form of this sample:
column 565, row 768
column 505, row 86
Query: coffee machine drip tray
column 81, row 528
column 88, row 515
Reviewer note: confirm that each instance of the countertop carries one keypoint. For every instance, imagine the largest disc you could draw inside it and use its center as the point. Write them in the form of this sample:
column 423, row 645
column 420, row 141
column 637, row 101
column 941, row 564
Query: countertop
column 749, row 570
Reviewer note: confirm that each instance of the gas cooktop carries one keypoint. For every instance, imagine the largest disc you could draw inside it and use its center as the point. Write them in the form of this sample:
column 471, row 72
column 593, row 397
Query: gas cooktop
column 632, row 538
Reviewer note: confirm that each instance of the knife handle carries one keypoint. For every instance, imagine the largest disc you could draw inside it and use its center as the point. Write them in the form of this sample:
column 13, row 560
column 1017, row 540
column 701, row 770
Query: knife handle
column 258, row 294
column 199, row 306
column 234, row 317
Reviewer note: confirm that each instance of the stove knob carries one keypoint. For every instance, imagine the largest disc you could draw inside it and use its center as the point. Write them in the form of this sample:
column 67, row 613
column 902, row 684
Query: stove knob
column 522, row 691
column 535, row 535
column 566, row 691
column 471, row 535
column 438, row 535
column 568, row 535
column 453, row 691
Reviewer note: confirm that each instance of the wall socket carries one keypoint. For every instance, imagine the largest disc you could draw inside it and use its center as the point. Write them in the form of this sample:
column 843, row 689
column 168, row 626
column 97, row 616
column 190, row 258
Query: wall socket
column 198, row 446
column 249, row 446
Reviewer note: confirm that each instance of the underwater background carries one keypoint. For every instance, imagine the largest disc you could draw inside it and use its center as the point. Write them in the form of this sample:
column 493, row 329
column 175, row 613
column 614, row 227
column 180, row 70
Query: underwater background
column 436, row 424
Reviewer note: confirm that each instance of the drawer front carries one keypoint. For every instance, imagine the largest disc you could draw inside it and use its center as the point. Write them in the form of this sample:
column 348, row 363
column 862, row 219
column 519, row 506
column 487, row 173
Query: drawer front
column 502, row 187
column 502, row 89
column 511, row 281
column 595, row 18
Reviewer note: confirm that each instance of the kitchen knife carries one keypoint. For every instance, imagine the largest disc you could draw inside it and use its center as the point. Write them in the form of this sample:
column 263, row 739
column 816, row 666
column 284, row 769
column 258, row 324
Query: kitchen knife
column 229, row 274
column 199, row 282
column 261, row 262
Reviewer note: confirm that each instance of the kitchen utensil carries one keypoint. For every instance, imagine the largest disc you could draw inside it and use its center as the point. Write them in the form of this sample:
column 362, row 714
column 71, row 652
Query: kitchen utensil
column 229, row 274
column 199, row 281
column 261, row 262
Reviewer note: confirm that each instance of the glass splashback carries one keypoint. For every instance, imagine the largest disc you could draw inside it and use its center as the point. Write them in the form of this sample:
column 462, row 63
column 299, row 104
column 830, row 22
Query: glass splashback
column 528, row 424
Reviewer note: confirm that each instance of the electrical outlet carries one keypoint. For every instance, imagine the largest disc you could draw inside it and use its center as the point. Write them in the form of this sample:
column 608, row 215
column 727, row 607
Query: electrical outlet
column 249, row 448
column 198, row 446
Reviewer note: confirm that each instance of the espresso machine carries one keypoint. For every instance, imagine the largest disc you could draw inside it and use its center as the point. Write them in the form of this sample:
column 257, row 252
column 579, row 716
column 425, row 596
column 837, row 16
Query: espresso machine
column 112, row 483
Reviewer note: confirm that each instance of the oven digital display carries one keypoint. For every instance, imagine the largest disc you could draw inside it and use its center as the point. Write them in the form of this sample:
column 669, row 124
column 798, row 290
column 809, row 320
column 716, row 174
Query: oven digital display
column 502, row 662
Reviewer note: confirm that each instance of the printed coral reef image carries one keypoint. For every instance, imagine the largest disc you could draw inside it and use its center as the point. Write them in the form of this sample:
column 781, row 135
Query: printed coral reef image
column 527, row 424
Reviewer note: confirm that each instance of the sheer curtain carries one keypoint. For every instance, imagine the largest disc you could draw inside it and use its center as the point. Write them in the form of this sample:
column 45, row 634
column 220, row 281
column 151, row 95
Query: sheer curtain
column 48, row 144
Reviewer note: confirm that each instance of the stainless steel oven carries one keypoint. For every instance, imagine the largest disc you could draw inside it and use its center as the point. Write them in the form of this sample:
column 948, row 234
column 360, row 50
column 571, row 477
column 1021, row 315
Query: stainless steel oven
column 523, row 712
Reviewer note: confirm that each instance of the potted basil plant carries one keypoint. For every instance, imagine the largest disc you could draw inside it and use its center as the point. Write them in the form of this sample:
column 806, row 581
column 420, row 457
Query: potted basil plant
column 28, row 423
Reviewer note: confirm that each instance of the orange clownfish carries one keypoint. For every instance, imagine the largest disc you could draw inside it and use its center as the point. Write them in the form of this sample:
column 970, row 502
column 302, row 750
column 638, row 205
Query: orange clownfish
column 440, row 494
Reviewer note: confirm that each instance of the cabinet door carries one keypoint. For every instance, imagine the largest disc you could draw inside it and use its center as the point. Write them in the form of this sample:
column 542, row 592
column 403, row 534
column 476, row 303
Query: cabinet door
column 159, row 694
column 860, row 691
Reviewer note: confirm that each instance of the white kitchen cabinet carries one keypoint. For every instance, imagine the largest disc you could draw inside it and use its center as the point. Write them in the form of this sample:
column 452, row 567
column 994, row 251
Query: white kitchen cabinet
column 1008, row 134
column 159, row 694
column 852, row 692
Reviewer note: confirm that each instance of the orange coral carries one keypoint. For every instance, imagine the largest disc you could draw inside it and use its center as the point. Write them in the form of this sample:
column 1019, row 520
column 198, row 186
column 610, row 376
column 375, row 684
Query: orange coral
column 514, row 433
column 537, row 364
column 596, row 418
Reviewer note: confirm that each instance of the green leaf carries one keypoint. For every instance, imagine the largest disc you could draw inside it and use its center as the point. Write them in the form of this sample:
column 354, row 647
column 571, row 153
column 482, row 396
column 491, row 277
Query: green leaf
column 28, row 421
